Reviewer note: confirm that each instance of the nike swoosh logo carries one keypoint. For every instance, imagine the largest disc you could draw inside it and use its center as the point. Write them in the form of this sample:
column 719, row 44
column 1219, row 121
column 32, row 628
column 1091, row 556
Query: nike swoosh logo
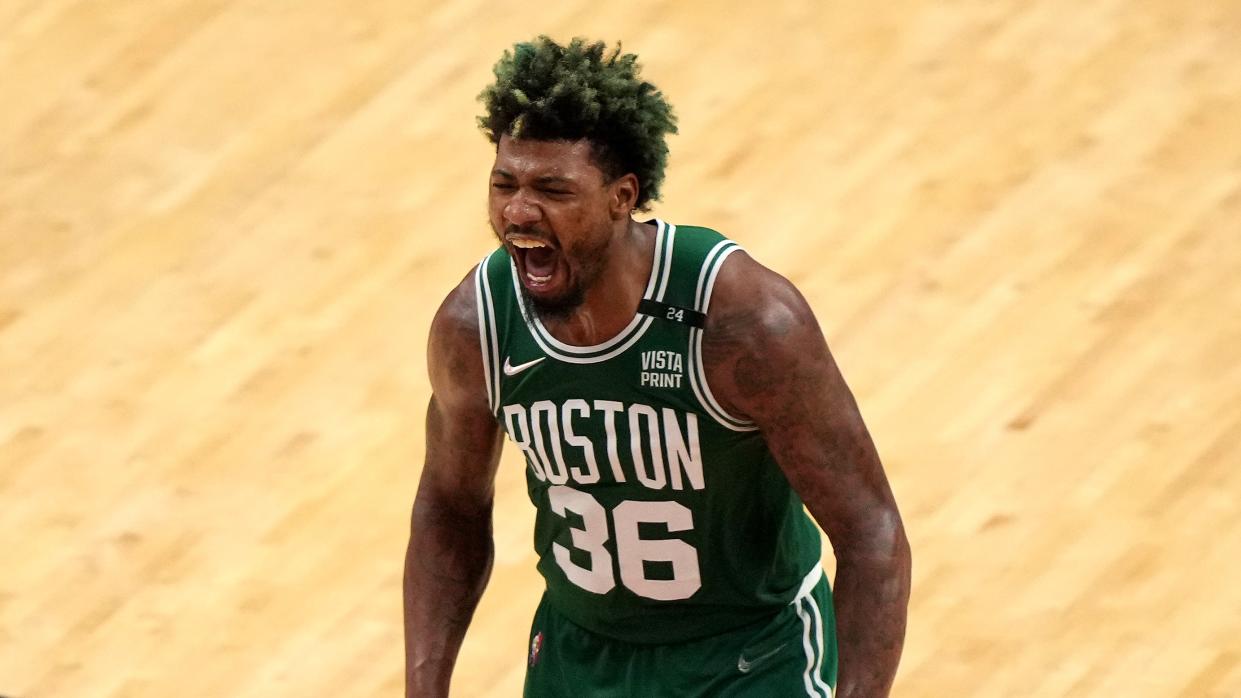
column 745, row 665
column 511, row 370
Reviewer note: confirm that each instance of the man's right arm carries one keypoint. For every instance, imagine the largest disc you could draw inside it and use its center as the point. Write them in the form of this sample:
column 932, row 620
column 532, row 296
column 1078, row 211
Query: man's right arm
column 450, row 549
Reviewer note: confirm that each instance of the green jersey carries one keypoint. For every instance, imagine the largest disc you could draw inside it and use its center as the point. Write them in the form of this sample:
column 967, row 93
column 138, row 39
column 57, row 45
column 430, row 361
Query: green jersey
column 660, row 516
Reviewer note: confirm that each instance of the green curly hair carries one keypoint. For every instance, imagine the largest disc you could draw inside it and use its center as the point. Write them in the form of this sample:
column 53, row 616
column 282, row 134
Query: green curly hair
column 545, row 91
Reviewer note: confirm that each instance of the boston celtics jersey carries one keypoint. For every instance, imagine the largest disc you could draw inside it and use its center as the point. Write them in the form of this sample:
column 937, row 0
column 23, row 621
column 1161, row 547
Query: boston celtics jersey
column 660, row 516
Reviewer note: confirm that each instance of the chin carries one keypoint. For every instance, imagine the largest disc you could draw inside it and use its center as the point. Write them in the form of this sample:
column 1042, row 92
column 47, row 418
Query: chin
column 555, row 307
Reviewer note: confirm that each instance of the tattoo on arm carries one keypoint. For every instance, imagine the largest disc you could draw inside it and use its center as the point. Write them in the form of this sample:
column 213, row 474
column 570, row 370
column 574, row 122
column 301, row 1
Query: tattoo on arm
column 766, row 360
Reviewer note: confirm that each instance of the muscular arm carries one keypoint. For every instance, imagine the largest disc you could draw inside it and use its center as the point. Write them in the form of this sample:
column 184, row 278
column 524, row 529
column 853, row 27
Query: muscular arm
column 450, row 549
column 766, row 360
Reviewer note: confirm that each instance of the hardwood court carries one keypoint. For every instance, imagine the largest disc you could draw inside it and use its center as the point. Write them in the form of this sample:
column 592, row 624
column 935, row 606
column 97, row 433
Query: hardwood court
column 224, row 227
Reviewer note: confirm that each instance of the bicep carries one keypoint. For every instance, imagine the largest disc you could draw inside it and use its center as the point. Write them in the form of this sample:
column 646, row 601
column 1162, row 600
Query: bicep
column 462, row 436
column 814, row 430
column 770, row 363
column 462, row 449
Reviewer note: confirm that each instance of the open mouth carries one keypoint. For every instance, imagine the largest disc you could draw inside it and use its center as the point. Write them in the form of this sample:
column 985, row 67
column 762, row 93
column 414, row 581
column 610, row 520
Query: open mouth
column 537, row 261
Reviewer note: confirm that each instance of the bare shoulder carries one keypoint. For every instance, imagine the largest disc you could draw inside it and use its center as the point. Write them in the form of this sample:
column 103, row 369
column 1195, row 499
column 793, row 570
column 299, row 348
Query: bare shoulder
column 761, row 337
column 458, row 312
column 454, row 354
column 753, row 302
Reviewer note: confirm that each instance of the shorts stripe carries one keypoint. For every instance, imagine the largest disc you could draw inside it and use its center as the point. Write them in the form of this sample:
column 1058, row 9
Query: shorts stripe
column 818, row 665
column 811, row 689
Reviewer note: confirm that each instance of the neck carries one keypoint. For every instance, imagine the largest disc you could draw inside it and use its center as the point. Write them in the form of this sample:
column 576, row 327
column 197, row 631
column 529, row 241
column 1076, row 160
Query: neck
column 611, row 302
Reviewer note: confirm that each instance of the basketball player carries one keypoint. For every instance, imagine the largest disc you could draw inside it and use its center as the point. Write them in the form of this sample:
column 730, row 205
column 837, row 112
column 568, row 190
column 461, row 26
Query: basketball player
column 676, row 405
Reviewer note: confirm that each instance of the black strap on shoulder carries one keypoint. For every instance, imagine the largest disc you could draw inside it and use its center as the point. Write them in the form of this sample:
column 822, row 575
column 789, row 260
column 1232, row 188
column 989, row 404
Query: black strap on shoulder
column 674, row 313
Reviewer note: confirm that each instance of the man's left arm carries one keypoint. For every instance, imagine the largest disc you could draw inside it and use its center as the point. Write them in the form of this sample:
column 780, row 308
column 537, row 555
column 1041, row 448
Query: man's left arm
column 767, row 360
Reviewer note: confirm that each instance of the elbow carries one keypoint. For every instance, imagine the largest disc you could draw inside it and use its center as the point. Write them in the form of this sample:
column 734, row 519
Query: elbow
column 893, row 544
column 880, row 559
column 879, row 543
column 900, row 542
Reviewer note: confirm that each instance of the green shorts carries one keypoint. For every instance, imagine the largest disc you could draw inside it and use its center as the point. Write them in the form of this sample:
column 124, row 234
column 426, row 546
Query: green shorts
column 792, row 654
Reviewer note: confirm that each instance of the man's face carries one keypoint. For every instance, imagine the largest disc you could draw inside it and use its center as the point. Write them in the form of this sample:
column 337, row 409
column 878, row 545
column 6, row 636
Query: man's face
column 550, row 206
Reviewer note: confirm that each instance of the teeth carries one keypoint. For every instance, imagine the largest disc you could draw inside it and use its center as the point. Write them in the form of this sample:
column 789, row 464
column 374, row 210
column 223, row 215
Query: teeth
column 526, row 243
column 538, row 279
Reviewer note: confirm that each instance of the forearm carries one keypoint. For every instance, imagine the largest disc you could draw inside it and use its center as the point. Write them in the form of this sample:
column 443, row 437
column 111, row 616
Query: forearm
column 871, row 595
column 447, row 566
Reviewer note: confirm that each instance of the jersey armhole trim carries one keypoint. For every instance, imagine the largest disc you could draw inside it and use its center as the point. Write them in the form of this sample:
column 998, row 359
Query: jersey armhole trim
column 487, row 335
column 697, row 370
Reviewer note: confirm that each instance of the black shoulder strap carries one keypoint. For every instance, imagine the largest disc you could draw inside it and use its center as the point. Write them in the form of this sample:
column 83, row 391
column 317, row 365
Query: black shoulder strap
column 673, row 313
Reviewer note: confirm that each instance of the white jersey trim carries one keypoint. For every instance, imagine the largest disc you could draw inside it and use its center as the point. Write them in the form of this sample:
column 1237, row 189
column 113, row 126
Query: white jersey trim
column 697, row 369
column 487, row 334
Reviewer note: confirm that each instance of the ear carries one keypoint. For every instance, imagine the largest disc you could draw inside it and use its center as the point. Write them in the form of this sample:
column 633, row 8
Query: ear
column 623, row 196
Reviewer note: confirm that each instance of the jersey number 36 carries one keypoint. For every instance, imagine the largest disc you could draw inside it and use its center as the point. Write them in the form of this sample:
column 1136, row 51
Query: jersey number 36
column 631, row 550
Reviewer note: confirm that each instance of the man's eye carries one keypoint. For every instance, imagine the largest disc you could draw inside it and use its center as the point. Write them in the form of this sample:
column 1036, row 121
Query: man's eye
column 501, row 186
column 556, row 192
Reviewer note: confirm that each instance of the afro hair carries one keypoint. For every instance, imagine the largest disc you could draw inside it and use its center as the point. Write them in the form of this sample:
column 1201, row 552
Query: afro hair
column 545, row 91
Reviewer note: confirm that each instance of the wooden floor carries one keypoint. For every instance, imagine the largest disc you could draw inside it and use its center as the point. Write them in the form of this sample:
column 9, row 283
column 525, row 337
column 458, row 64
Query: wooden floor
column 224, row 226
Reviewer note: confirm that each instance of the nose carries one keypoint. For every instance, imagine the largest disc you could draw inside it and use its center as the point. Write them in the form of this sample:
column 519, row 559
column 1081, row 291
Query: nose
column 521, row 211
